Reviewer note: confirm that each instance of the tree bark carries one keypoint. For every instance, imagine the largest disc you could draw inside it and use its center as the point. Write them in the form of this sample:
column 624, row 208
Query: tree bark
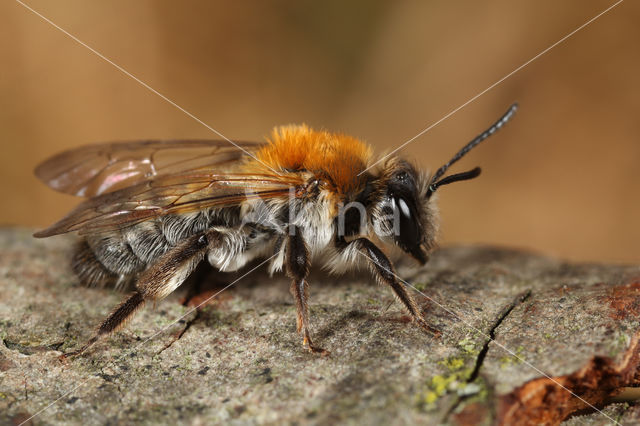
column 526, row 339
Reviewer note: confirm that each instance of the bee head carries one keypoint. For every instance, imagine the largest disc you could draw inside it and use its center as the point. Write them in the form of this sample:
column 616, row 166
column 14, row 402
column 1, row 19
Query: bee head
column 407, row 208
column 405, row 214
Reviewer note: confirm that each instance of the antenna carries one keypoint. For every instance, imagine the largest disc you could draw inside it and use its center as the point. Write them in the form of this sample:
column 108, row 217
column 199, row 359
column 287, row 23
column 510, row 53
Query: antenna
column 435, row 183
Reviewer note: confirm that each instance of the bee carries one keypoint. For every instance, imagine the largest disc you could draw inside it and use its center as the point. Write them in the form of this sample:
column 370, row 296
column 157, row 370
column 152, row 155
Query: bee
column 156, row 209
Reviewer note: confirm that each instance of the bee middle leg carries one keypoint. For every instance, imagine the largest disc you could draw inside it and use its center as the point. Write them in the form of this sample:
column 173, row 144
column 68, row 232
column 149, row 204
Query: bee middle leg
column 157, row 282
column 297, row 265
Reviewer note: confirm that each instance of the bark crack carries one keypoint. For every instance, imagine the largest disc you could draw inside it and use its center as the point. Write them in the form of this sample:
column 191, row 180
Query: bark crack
column 519, row 299
column 30, row 350
column 181, row 333
column 504, row 313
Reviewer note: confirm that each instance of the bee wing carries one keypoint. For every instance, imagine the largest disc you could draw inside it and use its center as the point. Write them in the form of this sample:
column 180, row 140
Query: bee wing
column 99, row 169
column 173, row 194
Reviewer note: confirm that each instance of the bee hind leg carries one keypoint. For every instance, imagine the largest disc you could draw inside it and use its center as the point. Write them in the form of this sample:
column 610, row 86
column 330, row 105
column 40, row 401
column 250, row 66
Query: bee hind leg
column 155, row 283
column 297, row 265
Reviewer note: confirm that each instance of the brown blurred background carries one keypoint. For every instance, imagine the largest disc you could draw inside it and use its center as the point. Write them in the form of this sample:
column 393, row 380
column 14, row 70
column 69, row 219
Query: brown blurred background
column 562, row 178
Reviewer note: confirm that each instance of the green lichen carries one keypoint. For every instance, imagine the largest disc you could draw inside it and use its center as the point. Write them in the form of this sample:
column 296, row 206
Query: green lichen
column 453, row 363
column 430, row 397
column 420, row 286
column 618, row 344
column 187, row 361
column 475, row 391
column 510, row 360
column 468, row 346
column 439, row 385
column 623, row 409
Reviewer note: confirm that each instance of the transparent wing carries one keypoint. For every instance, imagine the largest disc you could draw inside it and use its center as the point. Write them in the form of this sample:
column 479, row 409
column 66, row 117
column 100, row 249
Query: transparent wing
column 99, row 169
column 174, row 194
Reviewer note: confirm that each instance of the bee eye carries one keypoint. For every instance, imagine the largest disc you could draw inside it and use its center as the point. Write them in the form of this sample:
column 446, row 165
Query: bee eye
column 409, row 231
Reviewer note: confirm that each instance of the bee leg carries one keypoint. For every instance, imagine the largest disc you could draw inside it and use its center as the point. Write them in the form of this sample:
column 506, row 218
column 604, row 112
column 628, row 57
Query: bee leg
column 155, row 283
column 384, row 271
column 297, row 265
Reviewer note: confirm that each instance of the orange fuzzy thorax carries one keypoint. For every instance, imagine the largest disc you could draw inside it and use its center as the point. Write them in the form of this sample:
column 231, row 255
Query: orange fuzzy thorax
column 332, row 156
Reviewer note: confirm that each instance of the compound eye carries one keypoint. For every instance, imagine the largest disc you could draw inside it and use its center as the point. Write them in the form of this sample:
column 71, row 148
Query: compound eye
column 409, row 232
column 409, row 236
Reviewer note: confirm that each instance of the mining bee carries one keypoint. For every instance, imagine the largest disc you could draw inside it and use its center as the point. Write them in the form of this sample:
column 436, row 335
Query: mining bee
column 156, row 209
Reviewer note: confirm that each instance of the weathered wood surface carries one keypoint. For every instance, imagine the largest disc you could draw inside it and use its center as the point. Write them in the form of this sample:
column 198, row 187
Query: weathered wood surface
column 239, row 360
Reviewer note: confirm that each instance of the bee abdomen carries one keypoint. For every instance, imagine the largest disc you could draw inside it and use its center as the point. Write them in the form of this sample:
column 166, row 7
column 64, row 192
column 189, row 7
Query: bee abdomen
column 147, row 243
column 116, row 258
column 115, row 253
column 150, row 240
column 89, row 269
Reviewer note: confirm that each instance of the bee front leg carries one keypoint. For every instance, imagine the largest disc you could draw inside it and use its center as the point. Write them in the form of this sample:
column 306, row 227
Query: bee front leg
column 297, row 265
column 157, row 282
column 384, row 271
